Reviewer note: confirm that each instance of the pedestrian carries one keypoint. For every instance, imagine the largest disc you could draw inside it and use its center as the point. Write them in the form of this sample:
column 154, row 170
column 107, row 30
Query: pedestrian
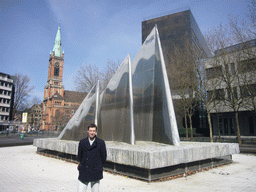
column 92, row 156
column 7, row 132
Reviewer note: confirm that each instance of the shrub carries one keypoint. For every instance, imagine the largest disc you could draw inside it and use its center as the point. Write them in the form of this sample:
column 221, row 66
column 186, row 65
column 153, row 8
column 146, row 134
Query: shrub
column 182, row 131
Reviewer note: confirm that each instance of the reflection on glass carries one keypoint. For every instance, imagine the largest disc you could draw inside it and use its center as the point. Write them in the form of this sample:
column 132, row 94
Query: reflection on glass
column 136, row 104
column 154, row 118
column 115, row 107
column 76, row 129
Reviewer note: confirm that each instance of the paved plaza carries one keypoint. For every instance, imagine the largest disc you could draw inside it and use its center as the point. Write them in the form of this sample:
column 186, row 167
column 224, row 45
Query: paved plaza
column 21, row 169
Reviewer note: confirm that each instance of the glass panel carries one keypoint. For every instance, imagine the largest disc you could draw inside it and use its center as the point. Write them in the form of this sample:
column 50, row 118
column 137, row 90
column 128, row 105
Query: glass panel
column 114, row 116
column 143, row 84
column 161, row 119
column 76, row 129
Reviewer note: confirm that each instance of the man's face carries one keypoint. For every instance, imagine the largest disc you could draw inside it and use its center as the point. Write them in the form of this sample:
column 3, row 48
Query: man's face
column 92, row 132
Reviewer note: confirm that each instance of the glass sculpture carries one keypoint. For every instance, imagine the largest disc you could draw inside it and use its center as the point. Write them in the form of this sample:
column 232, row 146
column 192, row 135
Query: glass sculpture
column 136, row 104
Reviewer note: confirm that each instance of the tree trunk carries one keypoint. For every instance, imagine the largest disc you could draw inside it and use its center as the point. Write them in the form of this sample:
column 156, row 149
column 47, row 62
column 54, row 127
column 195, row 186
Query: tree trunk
column 186, row 126
column 210, row 125
column 191, row 127
column 218, row 120
column 238, row 129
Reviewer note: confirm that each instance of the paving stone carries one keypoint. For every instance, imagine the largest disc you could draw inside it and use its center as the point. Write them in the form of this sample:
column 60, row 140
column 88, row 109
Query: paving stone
column 22, row 169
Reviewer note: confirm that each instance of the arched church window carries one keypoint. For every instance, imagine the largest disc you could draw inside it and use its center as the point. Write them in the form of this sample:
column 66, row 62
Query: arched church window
column 56, row 69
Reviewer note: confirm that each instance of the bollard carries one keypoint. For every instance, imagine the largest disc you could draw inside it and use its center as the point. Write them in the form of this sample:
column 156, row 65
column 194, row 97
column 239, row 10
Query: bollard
column 22, row 136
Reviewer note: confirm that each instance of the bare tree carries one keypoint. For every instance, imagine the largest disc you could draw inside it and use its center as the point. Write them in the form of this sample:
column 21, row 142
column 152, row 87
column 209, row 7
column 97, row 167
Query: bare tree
column 233, row 62
column 252, row 15
column 35, row 101
column 109, row 71
column 22, row 91
column 183, row 74
column 210, row 98
column 58, row 119
column 245, row 58
column 209, row 75
column 244, row 30
column 88, row 75
column 34, row 111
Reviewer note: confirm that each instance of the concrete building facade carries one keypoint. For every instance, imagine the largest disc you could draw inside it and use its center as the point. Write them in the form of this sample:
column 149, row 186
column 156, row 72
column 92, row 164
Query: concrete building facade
column 232, row 72
column 6, row 97
column 35, row 116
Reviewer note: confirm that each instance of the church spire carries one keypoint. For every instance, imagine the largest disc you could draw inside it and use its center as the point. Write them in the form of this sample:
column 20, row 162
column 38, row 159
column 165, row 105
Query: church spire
column 57, row 44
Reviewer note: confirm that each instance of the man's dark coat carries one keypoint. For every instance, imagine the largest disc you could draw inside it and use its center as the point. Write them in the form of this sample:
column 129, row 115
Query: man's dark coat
column 91, row 159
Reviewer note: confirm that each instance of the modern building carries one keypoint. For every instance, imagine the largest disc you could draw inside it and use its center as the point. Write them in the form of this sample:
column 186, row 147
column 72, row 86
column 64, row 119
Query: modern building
column 176, row 31
column 6, row 98
column 233, row 70
column 59, row 105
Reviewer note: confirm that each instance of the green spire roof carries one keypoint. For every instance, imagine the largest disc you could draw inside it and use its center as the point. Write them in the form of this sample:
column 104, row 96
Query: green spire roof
column 57, row 43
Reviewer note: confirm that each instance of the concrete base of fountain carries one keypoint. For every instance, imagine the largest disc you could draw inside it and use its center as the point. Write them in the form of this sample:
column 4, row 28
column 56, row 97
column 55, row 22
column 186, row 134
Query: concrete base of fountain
column 149, row 160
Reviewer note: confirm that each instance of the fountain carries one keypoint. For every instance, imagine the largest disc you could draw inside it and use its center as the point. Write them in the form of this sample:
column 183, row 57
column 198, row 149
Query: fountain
column 136, row 118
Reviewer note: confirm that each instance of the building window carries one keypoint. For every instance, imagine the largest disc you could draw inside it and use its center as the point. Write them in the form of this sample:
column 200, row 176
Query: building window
column 232, row 68
column 213, row 72
column 219, row 94
column 248, row 90
column 56, row 69
column 58, row 102
column 247, row 65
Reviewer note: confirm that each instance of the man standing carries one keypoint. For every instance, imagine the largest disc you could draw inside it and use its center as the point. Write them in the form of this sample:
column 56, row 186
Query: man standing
column 7, row 132
column 91, row 155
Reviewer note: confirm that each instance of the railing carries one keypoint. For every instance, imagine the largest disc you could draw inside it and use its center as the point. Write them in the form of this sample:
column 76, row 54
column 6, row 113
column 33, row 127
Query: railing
column 6, row 79
column 4, row 113
column 5, row 96
column 8, row 88
column 5, row 104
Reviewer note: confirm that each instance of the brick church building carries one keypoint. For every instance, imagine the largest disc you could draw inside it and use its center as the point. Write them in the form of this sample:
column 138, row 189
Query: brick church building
column 59, row 105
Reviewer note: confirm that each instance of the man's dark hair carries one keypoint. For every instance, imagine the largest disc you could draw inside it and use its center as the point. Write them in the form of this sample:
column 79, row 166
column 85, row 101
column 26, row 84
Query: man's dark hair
column 92, row 125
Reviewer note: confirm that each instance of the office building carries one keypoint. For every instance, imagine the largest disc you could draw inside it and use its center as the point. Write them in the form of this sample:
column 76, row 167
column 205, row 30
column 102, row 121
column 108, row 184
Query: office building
column 176, row 31
column 231, row 72
column 6, row 98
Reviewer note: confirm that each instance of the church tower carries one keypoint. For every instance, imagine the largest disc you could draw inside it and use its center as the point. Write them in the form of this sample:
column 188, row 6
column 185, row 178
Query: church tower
column 55, row 69
column 54, row 87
